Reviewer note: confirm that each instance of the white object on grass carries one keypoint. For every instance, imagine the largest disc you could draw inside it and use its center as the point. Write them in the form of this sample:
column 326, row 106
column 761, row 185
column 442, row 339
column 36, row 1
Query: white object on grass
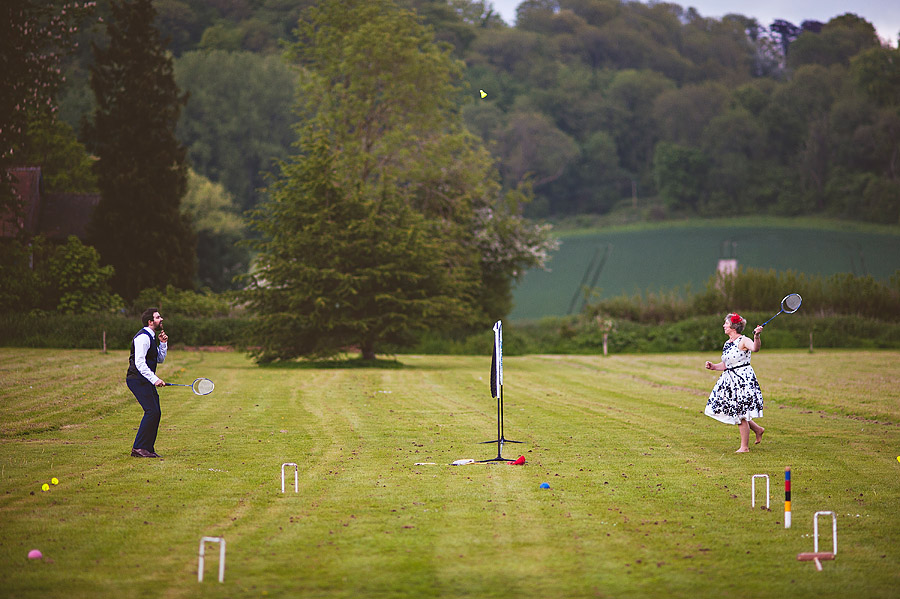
column 296, row 479
column 221, row 542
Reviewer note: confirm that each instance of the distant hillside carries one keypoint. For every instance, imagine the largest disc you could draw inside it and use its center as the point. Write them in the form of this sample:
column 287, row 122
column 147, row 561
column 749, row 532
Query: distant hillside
column 621, row 261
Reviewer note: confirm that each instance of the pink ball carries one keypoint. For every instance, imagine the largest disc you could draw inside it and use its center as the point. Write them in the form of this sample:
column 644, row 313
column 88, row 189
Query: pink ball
column 35, row 554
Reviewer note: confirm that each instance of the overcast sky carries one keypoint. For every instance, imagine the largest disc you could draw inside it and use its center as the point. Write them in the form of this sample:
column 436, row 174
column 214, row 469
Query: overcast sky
column 883, row 14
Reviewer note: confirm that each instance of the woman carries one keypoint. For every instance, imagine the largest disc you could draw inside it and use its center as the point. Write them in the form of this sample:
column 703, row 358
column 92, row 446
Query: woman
column 736, row 398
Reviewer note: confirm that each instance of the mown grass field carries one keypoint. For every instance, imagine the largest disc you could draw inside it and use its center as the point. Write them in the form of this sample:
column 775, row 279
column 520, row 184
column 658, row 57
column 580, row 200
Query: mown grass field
column 628, row 260
column 646, row 498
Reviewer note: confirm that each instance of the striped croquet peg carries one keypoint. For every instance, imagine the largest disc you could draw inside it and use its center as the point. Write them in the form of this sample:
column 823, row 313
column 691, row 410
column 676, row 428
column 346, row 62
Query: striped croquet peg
column 787, row 497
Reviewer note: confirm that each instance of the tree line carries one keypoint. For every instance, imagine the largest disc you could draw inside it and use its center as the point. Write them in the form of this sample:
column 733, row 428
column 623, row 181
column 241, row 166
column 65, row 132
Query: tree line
column 595, row 103
column 598, row 103
column 420, row 185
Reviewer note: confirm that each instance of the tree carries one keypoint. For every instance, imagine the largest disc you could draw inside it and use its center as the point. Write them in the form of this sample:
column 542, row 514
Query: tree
column 19, row 289
column 237, row 125
column 680, row 175
column 592, row 184
column 793, row 105
column 532, row 147
column 629, row 107
column 34, row 37
column 787, row 33
column 480, row 13
column 734, row 143
column 138, row 227
column 877, row 72
column 837, row 41
column 533, row 15
column 53, row 277
column 683, row 113
column 180, row 21
column 381, row 275
column 65, row 163
column 72, row 280
column 220, row 258
column 402, row 202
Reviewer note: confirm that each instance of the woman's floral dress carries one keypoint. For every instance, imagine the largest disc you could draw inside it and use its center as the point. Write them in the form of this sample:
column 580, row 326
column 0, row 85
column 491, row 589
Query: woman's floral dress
column 737, row 395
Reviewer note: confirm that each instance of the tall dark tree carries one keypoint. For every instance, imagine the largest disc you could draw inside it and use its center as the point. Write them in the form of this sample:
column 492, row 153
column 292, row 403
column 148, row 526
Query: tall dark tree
column 137, row 226
column 786, row 31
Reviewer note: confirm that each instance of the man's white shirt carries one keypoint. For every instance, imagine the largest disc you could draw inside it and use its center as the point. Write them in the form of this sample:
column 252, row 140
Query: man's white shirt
column 141, row 347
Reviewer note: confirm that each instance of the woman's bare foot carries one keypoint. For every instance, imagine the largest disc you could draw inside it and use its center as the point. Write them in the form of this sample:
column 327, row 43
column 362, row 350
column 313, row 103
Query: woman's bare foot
column 759, row 435
column 743, row 450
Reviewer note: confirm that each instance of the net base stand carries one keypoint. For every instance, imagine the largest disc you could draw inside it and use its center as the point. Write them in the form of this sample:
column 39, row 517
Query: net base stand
column 499, row 457
column 500, row 440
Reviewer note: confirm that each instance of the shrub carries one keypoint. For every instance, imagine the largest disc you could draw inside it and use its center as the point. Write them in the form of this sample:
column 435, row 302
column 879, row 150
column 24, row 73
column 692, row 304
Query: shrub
column 759, row 290
column 73, row 282
column 178, row 302
column 51, row 277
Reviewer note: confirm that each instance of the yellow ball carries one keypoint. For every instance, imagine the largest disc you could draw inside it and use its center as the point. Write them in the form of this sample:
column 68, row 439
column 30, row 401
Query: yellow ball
column 45, row 487
column 54, row 480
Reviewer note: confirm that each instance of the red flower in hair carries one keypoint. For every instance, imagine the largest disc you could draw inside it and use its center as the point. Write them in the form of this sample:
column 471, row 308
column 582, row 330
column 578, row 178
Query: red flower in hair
column 736, row 318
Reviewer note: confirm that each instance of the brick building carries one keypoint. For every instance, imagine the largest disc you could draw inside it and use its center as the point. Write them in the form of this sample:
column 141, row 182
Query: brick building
column 53, row 215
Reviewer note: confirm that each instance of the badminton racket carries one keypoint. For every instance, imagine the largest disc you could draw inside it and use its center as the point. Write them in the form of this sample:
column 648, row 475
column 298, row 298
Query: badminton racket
column 199, row 386
column 789, row 305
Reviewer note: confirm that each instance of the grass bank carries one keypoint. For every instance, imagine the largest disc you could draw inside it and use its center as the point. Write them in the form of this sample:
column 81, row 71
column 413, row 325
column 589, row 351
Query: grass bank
column 683, row 255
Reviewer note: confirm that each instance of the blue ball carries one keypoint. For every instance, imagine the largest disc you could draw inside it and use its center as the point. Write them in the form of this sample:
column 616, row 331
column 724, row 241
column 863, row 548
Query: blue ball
column 545, row 486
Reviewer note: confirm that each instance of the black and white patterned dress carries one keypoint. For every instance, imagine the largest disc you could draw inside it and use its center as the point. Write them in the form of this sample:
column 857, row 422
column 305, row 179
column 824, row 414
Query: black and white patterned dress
column 737, row 395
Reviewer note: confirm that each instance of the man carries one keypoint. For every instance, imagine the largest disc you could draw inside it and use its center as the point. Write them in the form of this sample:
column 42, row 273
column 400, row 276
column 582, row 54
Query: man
column 147, row 350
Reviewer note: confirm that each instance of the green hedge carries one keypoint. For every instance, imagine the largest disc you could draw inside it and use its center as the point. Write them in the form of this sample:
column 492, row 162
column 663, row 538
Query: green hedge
column 750, row 290
column 85, row 331
column 569, row 335
column 565, row 335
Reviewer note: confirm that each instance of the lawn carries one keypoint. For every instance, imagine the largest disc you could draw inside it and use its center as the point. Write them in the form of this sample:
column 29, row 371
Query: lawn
column 646, row 497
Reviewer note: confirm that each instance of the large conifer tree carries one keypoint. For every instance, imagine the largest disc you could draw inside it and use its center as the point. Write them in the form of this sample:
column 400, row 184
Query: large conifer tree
column 340, row 268
column 138, row 227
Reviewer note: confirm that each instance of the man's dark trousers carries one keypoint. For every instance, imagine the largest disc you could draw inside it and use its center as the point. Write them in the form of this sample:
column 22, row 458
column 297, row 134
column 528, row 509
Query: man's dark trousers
column 146, row 394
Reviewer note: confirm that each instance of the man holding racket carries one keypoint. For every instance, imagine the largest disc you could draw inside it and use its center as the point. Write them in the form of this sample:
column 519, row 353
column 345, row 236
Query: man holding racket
column 147, row 351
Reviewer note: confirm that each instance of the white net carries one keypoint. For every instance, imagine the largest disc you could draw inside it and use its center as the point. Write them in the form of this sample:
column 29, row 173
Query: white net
column 203, row 386
column 791, row 302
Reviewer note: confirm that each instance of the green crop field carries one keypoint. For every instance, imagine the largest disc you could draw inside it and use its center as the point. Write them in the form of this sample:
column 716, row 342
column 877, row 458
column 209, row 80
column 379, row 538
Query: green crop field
column 629, row 260
column 646, row 497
